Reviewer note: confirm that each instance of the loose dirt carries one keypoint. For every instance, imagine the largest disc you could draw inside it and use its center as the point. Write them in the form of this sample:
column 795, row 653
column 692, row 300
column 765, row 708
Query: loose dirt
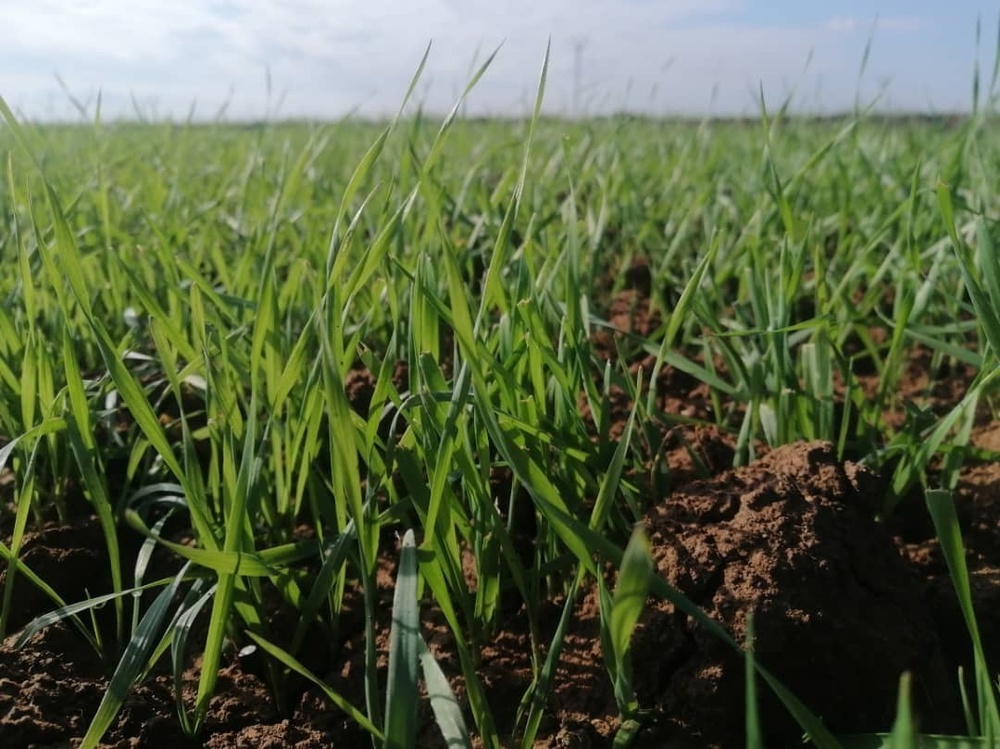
column 842, row 605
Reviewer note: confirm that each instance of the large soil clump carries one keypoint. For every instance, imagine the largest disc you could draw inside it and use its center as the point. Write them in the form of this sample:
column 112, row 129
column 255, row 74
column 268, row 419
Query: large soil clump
column 838, row 613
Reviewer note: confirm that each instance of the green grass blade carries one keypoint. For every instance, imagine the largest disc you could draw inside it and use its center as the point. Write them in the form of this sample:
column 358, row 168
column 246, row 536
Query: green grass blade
column 88, row 460
column 755, row 739
column 923, row 741
column 986, row 312
column 611, row 481
column 262, row 563
column 132, row 662
column 178, row 647
column 541, row 689
column 942, row 510
column 287, row 660
column 334, row 556
column 66, row 611
column 630, row 592
column 904, row 735
column 25, row 501
column 447, row 711
column 404, row 653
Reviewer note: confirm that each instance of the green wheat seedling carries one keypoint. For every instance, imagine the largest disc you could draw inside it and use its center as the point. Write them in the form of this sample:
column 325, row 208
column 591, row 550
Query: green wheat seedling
column 408, row 653
column 256, row 352
column 619, row 616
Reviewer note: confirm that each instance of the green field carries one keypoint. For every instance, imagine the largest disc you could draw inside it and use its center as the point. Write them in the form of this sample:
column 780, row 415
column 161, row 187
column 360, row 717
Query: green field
column 272, row 350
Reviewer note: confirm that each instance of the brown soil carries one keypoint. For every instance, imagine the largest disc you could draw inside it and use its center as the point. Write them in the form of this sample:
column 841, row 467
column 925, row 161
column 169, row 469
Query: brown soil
column 838, row 612
column 842, row 605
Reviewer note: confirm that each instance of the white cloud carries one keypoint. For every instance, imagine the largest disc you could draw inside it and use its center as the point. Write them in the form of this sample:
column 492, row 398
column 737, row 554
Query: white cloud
column 104, row 29
column 336, row 54
column 889, row 23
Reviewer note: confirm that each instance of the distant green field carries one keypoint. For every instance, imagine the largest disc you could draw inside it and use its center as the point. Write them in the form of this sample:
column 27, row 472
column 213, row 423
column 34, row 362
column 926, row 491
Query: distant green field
column 279, row 344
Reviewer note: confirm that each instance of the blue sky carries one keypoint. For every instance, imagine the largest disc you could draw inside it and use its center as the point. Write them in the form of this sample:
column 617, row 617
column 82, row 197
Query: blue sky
column 328, row 57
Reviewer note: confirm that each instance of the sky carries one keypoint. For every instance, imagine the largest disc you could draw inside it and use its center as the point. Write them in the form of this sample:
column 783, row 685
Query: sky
column 283, row 59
